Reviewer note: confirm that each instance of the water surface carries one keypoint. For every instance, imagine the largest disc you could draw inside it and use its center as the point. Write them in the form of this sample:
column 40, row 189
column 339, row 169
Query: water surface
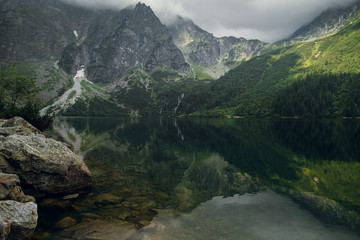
column 210, row 179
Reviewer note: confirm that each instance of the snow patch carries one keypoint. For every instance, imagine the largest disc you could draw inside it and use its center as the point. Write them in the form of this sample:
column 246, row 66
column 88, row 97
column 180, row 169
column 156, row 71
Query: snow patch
column 179, row 101
column 63, row 102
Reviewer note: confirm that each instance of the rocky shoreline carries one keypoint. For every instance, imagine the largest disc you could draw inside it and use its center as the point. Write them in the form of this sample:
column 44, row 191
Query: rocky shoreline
column 33, row 166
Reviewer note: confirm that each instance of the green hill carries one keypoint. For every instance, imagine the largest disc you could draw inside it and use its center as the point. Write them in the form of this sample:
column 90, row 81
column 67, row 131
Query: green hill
column 309, row 79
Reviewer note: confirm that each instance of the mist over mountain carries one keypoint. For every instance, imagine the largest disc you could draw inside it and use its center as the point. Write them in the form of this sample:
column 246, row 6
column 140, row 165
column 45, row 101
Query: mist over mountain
column 327, row 23
column 215, row 55
column 143, row 66
column 268, row 21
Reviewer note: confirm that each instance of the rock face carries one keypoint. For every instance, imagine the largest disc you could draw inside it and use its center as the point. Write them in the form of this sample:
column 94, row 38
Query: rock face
column 328, row 23
column 18, row 212
column 106, row 42
column 126, row 39
column 203, row 49
column 35, row 30
column 45, row 166
column 17, row 220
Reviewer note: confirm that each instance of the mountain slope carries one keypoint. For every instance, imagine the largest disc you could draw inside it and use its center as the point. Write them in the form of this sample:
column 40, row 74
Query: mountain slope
column 328, row 23
column 214, row 56
column 106, row 43
column 134, row 57
column 36, row 30
column 118, row 41
column 318, row 78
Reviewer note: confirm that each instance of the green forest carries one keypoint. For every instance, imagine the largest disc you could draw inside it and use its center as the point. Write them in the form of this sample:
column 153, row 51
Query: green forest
column 308, row 79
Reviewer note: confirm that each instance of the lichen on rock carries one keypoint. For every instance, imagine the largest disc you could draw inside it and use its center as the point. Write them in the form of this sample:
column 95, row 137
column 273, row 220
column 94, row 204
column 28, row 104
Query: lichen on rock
column 21, row 217
column 45, row 166
column 42, row 166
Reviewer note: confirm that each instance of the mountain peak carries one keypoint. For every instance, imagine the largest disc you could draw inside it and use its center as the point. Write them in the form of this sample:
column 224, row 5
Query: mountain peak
column 327, row 23
column 141, row 7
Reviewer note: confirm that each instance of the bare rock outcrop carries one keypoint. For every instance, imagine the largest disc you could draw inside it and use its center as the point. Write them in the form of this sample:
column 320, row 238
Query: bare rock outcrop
column 40, row 165
column 17, row 220
column 45, row 166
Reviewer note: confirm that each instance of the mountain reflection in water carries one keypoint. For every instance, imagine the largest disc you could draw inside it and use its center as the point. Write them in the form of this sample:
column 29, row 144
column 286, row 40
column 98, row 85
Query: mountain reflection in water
column 167, row 179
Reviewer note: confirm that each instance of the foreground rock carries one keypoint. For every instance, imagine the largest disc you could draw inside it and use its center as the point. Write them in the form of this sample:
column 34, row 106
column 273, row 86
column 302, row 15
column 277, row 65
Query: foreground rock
column 40, row 165
column 18, row 212
column 9, row 189
column 17, row 220
column 45, row 166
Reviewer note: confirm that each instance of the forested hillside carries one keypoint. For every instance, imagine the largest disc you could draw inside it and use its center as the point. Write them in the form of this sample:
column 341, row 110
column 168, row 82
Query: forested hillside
column 309, row 79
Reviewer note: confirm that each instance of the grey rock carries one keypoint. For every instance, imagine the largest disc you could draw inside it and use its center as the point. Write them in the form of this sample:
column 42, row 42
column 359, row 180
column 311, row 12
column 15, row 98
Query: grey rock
column 2, row 121
column 10, row 176
column 36, row 30
column 20, row 122
column 46, row 165
column 6, row 186
column 19, row 130
column 4, row 229
column 10, row 191
column 17, row 194
column 203, row 49
column 19, row 126
column 21, row 217
column 328, row 23
column 126, row 39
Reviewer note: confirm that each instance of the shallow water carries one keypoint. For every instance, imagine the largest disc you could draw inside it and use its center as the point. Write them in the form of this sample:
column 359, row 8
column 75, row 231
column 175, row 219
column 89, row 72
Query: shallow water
column 265, row 215
column 209, row 179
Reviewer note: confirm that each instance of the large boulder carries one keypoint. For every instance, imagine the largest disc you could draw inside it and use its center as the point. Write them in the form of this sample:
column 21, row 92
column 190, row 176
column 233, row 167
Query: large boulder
column 21, row 123
column 45, row 166
column 18, row 126
column 17, row 220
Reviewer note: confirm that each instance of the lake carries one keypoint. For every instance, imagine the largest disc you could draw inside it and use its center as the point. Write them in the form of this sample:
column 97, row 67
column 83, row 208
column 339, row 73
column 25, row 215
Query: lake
column 210, row 179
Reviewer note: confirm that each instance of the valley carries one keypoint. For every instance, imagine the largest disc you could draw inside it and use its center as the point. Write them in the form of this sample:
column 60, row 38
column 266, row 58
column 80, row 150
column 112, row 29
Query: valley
column 183, row 133
column 142, row 67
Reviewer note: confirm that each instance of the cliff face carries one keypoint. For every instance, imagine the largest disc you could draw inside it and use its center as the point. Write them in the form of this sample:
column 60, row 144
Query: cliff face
column 107, row 43
column 35, row 30
column 328, row 23
column 121, row 40
column 215, row 55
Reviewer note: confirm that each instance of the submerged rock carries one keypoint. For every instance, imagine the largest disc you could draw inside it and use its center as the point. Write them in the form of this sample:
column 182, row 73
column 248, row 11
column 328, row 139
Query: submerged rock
column 45, row 166
column 326, row 209
column 17, row 220
column 107, row 199
column 66, row 222
column 100, row 229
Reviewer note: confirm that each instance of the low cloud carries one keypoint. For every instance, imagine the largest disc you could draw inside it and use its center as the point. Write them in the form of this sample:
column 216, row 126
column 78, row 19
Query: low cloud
column 253, row 19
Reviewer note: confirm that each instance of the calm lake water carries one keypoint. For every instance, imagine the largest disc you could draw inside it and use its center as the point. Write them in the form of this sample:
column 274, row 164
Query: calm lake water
column 210, row 179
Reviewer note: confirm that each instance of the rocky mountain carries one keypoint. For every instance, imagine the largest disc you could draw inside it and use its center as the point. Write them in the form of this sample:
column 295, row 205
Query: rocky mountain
column 146, row 68
column 215, row 56
column 44, row 37
column 328, row 23
column 107, row 42
column 36, row 30
column 118, row 41
column 317, row 78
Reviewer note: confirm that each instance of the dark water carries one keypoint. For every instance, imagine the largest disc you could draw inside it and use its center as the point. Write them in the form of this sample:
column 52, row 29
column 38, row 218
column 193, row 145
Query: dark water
column 211, row 179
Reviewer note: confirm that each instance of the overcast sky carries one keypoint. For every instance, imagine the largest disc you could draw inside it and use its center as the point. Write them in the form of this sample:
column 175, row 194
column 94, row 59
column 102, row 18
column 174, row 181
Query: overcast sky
column 266, row 20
